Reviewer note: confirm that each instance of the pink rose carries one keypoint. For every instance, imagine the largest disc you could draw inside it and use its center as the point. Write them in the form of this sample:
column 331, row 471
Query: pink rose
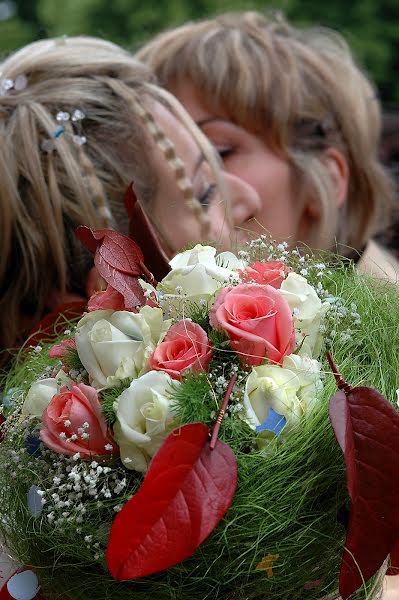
column 109, row 299
column 185, row 347
column 269, row 273
column 257, row 320
column 62, row 349
column 73, row 422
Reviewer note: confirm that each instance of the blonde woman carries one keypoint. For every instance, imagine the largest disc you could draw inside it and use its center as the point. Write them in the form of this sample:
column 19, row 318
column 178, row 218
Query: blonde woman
column 292, row 115
column 79, row 120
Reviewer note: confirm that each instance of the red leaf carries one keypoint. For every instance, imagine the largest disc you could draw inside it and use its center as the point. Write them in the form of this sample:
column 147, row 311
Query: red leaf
column 119, row 261
column 85, row 235
column 127, row 285
column 187, row 490
column 120, row 252
column 143, row 233
column 367, row 428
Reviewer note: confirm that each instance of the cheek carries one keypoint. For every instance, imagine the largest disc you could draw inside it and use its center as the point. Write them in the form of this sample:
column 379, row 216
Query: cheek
column 180, row 226
column 280, row 209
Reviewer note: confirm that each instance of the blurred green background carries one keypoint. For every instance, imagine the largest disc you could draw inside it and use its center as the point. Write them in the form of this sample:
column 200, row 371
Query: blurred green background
column 371, row 27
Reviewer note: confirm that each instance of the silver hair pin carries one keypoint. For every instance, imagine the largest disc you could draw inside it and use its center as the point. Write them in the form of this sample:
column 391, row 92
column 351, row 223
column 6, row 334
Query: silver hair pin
column 63, row 117
column 18, row 84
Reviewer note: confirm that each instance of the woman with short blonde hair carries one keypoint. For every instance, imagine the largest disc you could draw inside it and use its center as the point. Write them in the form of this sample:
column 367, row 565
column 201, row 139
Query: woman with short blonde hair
column 299, row 93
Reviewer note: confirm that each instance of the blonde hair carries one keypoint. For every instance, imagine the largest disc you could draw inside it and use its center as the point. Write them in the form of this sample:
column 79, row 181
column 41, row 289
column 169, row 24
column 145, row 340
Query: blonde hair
column 50, row 185
column 301, row 92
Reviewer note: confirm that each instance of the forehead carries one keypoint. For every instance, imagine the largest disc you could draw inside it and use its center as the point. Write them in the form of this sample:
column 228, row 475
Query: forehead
column 195, row 102
column 186, row 146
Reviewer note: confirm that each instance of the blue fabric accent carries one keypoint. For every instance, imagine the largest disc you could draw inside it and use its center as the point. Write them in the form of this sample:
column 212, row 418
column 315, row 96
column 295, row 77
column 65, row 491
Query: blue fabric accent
column 32, row 443
column 274, row 423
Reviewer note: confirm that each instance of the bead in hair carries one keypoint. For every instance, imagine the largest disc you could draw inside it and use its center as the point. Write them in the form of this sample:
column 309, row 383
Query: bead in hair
column 168, row 150
column 64, row 117
column 18, row 84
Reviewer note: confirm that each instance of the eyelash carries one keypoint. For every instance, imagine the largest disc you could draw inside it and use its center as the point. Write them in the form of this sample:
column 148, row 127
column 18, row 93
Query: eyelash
column 224, row 152
column 207, row 195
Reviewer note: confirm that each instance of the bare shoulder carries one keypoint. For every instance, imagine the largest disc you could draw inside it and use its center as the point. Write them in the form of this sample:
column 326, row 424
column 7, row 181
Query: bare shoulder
column 379, row 262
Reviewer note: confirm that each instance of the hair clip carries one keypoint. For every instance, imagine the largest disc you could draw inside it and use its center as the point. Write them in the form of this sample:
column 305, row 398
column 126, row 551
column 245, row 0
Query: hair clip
column 77, row 115
column 63, row 117
column 7, row 84
column 58, row 132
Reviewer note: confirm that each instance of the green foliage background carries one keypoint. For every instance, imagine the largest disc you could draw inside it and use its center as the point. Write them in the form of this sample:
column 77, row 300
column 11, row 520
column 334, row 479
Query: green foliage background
column 370, row 26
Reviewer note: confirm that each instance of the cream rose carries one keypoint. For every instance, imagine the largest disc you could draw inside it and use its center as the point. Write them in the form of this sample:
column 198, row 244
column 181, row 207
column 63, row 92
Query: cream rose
column 41, row 392
column 308, row 311
column 197, row 274
column 116, row 345
column 143, row 418
column 288, row 390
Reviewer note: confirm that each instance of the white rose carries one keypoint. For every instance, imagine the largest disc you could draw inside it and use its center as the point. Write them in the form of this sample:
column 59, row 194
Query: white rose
column 41, row 392
column 196, row 275
column 308, row 311
column 143, row 418
column 116, row 345
column 288, row 390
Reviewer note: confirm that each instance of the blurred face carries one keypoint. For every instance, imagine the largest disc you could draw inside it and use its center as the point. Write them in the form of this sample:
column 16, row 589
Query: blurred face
column 174, row 217
column 274, row 206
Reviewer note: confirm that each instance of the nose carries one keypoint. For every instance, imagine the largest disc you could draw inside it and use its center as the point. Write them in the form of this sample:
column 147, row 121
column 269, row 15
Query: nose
column 245, row 203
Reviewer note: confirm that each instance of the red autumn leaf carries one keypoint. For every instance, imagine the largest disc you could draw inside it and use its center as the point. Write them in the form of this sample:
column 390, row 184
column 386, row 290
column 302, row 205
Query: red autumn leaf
column 367, row 428
column 187, row 490
column 121, row 252
column 125, row 284
column 116, row 249
column 118, row 260
column 143, row 233
column 86, row 237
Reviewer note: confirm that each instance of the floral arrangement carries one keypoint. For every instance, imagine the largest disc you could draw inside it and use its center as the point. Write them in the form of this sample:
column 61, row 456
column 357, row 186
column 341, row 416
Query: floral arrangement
column 175, row 442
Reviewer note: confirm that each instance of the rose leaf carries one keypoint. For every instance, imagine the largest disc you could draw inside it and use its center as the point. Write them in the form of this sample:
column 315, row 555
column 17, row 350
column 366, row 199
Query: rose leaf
column 121, row 252
column 125, row 284
column 367, row 428
column 187, row 490
column 86, row 236
column 143, row 233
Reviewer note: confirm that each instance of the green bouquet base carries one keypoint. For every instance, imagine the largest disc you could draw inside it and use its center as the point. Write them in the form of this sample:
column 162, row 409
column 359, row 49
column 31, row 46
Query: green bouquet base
column 281, row 538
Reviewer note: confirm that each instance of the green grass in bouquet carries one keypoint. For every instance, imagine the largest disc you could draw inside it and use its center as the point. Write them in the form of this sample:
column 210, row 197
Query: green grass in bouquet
column 283, row 535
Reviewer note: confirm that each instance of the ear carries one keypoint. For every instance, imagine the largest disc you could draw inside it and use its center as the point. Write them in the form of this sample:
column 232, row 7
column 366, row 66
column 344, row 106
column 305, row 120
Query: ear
column 338, row 169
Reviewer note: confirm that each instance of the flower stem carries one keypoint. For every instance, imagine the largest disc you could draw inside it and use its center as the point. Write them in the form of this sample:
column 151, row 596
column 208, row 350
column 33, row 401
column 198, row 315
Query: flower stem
column 216, row 427
column 341, row 383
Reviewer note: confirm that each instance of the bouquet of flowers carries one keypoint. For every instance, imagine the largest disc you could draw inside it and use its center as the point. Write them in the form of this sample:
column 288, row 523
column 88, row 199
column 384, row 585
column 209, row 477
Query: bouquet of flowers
column 178, row 442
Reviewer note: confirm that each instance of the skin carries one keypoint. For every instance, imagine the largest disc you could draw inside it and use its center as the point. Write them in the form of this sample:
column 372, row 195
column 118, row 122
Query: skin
column 276, row 209
column 174, row 219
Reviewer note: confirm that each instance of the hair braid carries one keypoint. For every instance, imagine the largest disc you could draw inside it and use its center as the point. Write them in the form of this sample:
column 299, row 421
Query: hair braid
column 168, row 150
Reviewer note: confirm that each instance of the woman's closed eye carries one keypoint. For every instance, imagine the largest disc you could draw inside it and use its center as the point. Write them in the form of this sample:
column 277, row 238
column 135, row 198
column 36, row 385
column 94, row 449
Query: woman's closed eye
column 206, row 197
column 224, row 151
